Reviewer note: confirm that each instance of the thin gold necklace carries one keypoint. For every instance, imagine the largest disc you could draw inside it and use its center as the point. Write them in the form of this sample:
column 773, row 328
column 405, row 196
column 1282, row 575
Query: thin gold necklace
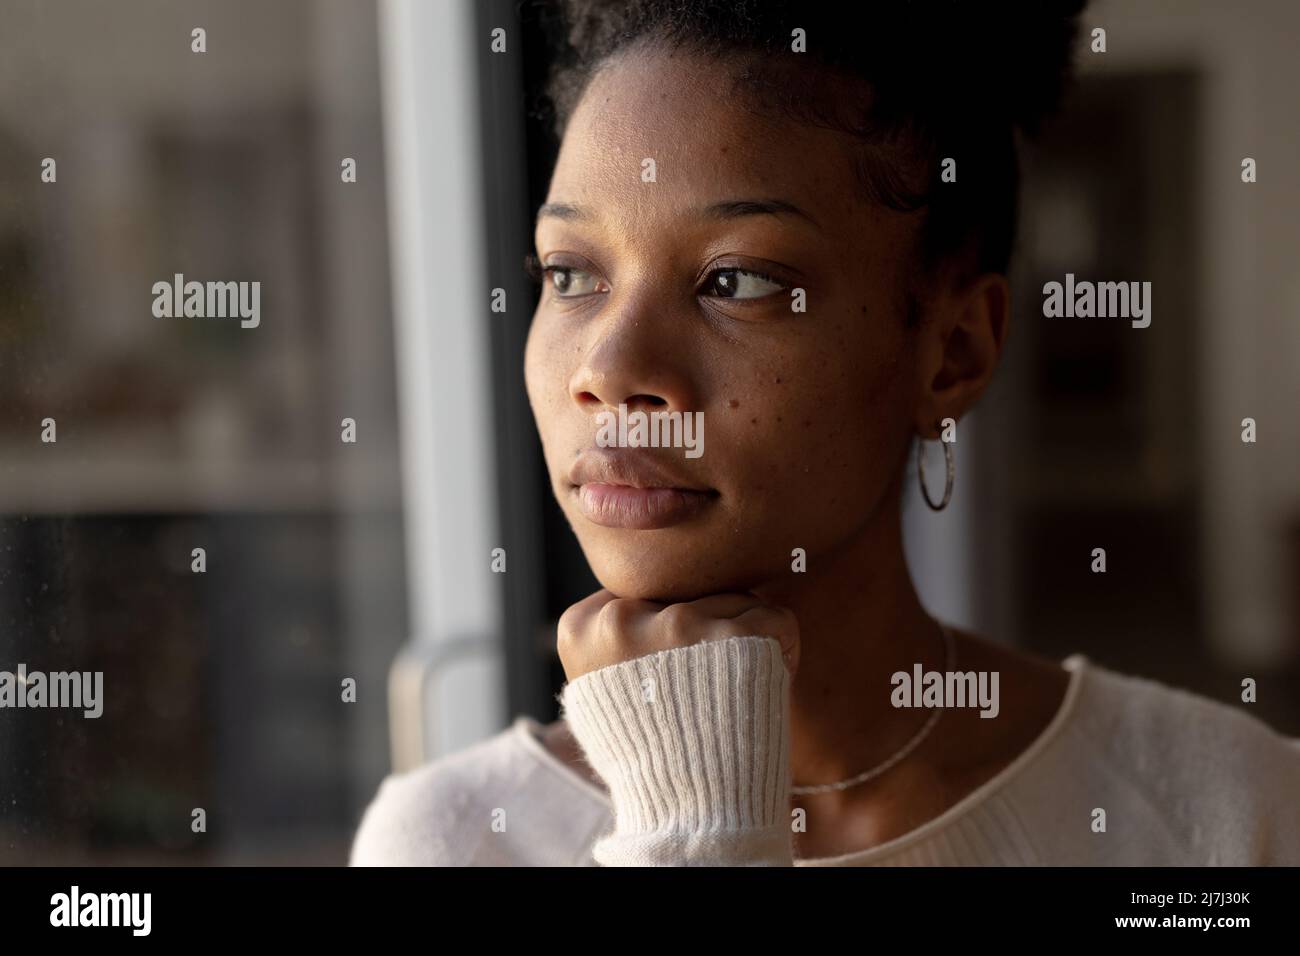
column 950, row 663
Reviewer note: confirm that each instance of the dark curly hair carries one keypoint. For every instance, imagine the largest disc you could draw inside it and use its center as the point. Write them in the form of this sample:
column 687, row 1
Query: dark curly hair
column 927, row 79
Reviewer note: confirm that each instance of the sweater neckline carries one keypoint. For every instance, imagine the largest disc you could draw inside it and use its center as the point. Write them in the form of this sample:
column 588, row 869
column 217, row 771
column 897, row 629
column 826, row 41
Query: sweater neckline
column 528, row 730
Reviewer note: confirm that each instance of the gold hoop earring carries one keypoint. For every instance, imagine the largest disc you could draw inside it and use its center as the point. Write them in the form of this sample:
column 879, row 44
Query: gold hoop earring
column 948, row 483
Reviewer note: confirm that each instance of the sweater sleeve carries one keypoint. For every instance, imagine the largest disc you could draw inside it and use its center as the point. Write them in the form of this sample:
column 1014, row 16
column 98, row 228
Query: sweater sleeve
column 693, row 743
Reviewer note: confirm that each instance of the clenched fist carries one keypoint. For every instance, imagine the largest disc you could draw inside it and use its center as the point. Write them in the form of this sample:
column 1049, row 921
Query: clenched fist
column 602, row 629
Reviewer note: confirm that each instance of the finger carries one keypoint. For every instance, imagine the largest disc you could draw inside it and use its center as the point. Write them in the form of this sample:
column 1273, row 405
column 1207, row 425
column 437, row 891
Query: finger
column 692, row 622
column 576, row 623
column 724, row 605
column 589, row 606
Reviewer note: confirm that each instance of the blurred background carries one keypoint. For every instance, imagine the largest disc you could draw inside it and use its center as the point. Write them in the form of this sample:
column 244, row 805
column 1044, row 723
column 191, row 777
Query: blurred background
column 371, row 560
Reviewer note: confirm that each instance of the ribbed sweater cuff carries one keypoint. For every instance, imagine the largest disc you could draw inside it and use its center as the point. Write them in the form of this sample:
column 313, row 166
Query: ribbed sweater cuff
column 693, row 743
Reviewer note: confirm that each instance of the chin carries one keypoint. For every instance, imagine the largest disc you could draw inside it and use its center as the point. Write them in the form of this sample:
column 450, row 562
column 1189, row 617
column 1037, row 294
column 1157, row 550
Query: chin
column 661, row 590
column 666, row 576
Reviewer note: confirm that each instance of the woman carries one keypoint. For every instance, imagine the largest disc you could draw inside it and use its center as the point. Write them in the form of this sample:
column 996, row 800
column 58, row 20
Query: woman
column 796, row 227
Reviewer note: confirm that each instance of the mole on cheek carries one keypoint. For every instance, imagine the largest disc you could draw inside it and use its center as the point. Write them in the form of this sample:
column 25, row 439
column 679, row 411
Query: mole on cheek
column 732, row 403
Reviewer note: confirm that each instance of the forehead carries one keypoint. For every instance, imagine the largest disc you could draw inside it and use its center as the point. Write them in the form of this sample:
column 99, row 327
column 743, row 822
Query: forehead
column 707, row 137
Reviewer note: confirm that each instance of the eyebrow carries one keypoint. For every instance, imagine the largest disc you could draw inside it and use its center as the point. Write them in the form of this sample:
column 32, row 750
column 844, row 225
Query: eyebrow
column 738, row 208
column 727, row 209
column 563, row 210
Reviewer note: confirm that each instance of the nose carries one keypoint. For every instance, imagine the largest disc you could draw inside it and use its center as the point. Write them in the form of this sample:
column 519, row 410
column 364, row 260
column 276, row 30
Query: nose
column 637, row 356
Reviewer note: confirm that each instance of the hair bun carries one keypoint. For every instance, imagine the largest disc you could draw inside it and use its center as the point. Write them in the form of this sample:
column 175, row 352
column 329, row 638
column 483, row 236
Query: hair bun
column 950, row 57
column 1035, row 43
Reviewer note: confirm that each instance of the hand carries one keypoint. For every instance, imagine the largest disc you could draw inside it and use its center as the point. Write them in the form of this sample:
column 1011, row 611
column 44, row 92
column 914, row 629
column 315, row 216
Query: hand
column 602, row 629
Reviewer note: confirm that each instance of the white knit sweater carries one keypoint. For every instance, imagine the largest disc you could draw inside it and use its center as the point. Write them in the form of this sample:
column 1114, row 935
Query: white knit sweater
column 693, row 744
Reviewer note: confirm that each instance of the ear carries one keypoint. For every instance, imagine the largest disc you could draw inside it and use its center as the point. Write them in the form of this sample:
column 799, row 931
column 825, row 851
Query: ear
column 961, row 342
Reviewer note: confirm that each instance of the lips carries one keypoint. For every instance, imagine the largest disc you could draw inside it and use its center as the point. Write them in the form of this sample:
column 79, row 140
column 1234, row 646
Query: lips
column 634, row 490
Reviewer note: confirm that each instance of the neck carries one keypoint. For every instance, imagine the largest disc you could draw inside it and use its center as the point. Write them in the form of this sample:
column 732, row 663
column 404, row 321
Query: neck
column 860, row 621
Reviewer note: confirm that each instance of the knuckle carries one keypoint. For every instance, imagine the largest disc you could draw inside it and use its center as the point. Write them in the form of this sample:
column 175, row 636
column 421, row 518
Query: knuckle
column 614, row 617
column 675, row 619
column 568, row 630
column 787, row 621
column 572, row 619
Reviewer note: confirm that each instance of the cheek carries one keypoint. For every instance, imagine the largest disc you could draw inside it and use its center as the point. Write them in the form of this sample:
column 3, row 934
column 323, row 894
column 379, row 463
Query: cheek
column 544, row 374
column 816, row 433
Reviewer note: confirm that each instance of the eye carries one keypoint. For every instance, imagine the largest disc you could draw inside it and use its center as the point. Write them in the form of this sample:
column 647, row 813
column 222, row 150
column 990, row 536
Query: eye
column 568, row 282
column 740, row 284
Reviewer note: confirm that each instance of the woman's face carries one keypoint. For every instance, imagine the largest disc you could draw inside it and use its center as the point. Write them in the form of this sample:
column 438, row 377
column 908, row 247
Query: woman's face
column 675, row 295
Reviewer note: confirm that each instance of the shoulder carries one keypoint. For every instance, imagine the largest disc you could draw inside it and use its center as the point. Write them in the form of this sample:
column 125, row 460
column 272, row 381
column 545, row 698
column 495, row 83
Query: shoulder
column 1178, row 730
column 1212, row 781
column 497, row 802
